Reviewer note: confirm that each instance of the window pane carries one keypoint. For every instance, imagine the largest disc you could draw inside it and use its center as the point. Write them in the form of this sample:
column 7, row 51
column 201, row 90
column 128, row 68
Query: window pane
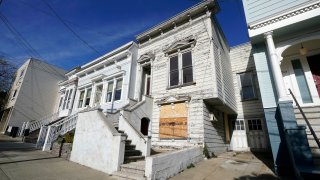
column 174, row 63
column 174, row 78
column 247, row 87
column 110, row 86
column 81, row 99
column 187, row 75
column 119, row 84
column 117, row 95
column 98, row 94
column 88, row 97
column 109, row 92
column 186, row 59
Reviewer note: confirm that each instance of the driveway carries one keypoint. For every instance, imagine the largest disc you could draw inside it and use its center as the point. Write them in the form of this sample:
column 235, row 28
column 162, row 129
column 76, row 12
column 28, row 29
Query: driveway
column 21, row 161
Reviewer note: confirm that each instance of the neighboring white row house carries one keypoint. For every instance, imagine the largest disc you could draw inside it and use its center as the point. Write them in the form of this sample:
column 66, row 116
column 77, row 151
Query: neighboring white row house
column 106, row 82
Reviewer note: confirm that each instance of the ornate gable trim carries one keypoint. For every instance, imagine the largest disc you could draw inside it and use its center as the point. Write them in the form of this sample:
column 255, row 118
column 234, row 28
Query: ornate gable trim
column 189, row 41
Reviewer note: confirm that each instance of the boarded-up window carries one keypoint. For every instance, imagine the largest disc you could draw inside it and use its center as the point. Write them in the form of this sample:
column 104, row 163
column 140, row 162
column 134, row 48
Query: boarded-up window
column 173, row 121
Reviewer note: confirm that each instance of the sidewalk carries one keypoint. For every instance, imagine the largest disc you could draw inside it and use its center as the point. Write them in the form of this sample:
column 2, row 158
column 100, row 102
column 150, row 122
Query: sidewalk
column 230, row 165
column 21, row 161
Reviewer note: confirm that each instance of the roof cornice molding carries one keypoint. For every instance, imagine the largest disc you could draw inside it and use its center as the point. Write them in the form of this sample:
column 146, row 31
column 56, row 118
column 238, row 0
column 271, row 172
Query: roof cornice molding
column 285, row 16
column 206, row 7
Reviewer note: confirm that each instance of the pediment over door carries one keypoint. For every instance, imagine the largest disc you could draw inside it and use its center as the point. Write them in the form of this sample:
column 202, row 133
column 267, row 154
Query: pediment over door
column 146, row 58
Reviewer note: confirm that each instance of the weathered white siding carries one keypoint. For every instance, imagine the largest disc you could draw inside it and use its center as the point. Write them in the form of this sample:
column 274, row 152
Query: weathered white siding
column 202, row 74
column 242, row 61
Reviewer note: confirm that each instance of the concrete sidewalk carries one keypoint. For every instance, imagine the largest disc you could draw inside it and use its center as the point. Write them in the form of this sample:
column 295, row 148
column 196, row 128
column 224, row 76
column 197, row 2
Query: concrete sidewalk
column 21, row 161
column 230, row 165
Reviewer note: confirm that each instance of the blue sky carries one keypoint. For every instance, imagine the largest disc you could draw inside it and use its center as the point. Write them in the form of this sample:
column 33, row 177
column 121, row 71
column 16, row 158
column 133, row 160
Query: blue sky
column 104, row 25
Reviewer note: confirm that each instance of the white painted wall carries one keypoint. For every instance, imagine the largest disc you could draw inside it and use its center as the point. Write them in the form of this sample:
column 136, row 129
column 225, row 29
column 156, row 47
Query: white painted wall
column 124, row 67
column 96, row 143
column 166, row 165
column 37, row 92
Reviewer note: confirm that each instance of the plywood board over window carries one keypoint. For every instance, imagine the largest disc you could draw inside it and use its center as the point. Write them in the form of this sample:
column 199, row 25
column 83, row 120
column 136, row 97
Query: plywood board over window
column 173, row 121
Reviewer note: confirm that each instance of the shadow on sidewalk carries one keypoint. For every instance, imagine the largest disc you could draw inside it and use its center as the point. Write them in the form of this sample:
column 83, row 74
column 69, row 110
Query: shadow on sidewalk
column 260, row 176
column 27, row 160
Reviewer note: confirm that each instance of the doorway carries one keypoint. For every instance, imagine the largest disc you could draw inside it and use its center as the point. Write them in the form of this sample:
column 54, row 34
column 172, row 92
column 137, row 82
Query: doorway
column 314, row 64
column 144, row 126
column 145, row 81
column 238, row 136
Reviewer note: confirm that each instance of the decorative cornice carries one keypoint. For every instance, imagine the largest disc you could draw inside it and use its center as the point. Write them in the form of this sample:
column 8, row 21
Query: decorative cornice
column 285, row 16
column 173, row 99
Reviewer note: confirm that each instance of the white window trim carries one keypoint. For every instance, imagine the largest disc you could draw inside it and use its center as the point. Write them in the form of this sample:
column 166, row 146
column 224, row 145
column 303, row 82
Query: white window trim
column 105, row 91
column 180, row 68
column 85, row 97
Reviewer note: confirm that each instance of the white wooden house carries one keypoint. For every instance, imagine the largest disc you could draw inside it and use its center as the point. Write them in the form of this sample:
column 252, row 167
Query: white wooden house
column 107, row 82
column 184, row 65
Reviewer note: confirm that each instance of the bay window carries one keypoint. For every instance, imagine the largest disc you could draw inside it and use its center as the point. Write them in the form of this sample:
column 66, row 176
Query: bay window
column 88, row 96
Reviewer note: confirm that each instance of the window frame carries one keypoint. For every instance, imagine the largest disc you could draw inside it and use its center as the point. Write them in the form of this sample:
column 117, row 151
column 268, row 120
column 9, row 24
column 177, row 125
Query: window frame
column 107, row 91
column 84, row 93
column 179, row 53
column 115, row 88
column 253, row 85
column 259, row 127
column 95, row 94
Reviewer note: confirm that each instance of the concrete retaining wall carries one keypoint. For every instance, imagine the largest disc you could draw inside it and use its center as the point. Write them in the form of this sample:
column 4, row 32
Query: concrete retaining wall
column 96, row 143
column 166, row 165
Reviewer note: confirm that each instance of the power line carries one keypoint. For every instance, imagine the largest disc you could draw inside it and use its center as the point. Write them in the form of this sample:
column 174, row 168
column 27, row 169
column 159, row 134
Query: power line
column 70, row 29
column 18, row 36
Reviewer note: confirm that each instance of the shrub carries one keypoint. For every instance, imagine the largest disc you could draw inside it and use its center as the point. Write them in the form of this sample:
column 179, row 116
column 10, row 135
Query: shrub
column 69, row 137
column 206, row 151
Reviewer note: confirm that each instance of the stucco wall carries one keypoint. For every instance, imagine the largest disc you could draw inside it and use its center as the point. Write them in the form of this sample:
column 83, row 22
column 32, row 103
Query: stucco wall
column 169, row 164
column 96, row 143
column 37, row 93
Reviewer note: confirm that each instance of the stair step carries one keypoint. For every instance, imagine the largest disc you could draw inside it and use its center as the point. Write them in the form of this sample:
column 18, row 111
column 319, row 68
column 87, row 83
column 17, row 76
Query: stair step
column 128, row 175
column 132, row 170
column 129, row 159
column 130, row 147
column 140, row 165
column 128, row 141
column 132, row 153
column 120, row 131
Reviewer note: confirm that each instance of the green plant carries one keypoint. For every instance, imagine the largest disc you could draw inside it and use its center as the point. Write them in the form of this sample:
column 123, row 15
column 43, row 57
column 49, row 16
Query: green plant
column 190, row 166
column 69, row 137
column 206, row 151
column 59, row 139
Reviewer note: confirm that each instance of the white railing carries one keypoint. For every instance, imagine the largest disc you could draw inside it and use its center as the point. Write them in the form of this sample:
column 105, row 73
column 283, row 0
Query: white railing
column 53, row 131
column 35, row 125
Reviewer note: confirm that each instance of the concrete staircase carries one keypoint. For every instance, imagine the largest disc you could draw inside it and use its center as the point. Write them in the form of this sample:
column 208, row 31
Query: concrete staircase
column 133, row 170
column 313, row 115
column 133, row 166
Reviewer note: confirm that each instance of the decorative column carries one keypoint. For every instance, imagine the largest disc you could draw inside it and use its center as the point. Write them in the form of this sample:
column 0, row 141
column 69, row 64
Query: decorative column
column 275, row 66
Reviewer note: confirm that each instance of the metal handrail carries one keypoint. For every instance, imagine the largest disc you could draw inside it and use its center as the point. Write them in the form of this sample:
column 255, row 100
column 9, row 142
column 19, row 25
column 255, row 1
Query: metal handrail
column 305, row 118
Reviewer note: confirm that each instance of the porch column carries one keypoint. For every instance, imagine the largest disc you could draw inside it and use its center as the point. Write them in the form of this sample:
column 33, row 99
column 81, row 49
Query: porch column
column 275, row 66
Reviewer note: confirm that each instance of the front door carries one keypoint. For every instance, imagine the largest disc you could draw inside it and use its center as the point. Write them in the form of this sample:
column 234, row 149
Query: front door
column 238, row 137
column 314, row 63
column 256, row 137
